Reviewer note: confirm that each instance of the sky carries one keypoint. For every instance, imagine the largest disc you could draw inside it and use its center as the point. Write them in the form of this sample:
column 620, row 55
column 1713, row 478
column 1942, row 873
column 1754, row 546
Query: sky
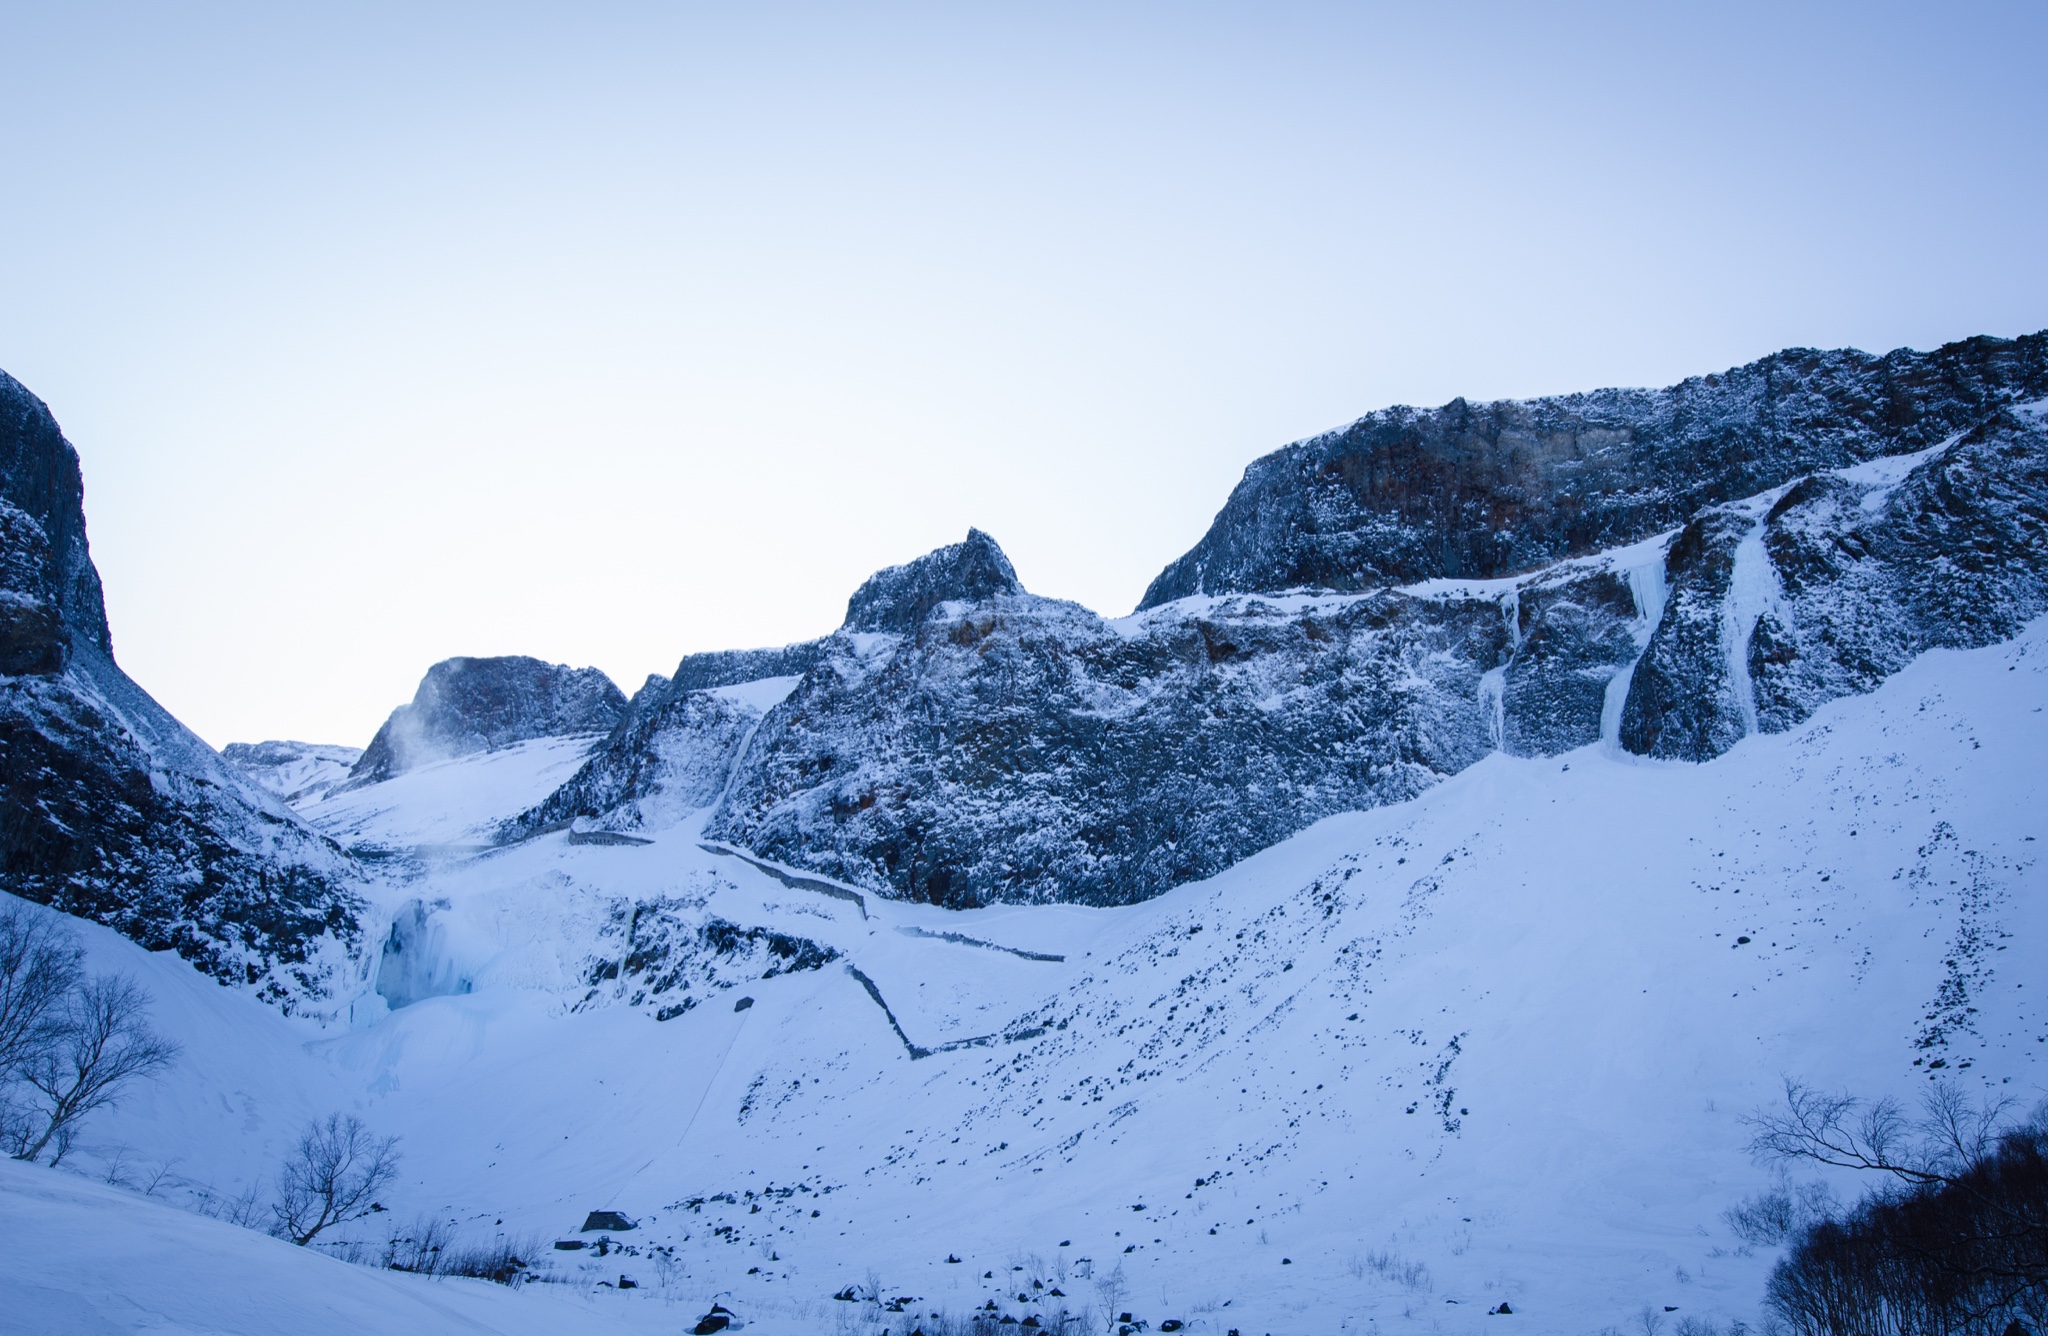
column 608, row 333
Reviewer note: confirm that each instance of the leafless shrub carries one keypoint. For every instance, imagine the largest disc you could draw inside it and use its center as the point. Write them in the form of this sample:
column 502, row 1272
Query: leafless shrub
column 431, row 1247
column 332, row 1177
column 161, row 1178
column 1768, row 1218
column 95, row 1042
column 668, row 1272
column 39, row 966
column 974, row 1324
column 245, row 1208
column 418, row 1247
column 1703, row 1326
column 501, row 1260
column 1385, row 1263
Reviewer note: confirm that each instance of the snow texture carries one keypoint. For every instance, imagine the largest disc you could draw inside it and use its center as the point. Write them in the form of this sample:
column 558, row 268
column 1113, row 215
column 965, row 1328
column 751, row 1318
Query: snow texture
column 1491, row 1044
column 297, row 772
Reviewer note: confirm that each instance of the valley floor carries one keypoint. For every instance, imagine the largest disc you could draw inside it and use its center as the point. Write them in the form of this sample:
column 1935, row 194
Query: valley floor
column 1495, row 1044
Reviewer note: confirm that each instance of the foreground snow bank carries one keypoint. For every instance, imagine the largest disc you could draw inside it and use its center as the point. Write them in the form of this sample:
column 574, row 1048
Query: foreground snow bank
column 85, row 1258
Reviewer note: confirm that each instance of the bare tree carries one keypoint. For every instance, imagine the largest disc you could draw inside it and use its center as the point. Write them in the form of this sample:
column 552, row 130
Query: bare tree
column 38, row 968
column 1955, row 1245
column 1110, row 1289
column 1849, row 1133
column 99, row 1042
column 332, row 1177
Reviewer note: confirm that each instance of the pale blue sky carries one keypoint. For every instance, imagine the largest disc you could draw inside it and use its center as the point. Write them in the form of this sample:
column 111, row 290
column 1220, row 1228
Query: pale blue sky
column 608, row 332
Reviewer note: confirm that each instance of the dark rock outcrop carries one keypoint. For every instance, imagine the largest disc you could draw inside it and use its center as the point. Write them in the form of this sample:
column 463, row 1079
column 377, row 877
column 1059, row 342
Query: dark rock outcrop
column 1838, row 585
column 900, row 598
column 33, row 640
column 1684, row 701
column 671, row 755
column 470, row 705
column 40, row 478
column 1020, row 748
column 1576, row 629
column 109, row 808
column 668, row 955
column 1486, row 490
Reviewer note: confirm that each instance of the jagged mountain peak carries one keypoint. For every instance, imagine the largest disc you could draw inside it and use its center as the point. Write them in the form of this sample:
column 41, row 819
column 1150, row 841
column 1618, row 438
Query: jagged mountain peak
column 466, row 705
column 899, row 598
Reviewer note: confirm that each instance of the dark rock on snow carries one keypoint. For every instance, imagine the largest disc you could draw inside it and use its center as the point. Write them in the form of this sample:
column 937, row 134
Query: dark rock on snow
column 672, row 752
column 109, row 808
column 667, row 954
column 728, row 667
column 470, row 705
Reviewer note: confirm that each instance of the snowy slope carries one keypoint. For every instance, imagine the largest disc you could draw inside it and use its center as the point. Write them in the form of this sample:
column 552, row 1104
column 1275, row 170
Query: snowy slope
column 1494, row 1043
column 89, row 1260
column 297, row 772
column 449, row 802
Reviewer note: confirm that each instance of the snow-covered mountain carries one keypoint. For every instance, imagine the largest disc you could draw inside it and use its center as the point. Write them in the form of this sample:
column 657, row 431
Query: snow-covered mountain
column 1495, row 1043
column 468, row 705
column 1478, row 491
column 114, row 811
column 297, row 772
column 995, row 746
column 1358, row 957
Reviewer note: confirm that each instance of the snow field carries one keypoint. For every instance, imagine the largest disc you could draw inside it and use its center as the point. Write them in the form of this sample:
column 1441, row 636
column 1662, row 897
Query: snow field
column 1492, row 1044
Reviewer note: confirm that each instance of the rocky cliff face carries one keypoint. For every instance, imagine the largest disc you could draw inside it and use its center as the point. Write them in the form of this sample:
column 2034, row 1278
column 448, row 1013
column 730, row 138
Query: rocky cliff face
column 961, row 741
column 1020, row 748
column 472, row 705
column 112, row 810
column 1485, row 490
column 1010, row 747
column 900, row 598
column 1826, row 587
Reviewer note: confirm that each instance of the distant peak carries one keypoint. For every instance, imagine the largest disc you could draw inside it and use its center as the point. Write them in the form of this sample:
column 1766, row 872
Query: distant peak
column 901, row 597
